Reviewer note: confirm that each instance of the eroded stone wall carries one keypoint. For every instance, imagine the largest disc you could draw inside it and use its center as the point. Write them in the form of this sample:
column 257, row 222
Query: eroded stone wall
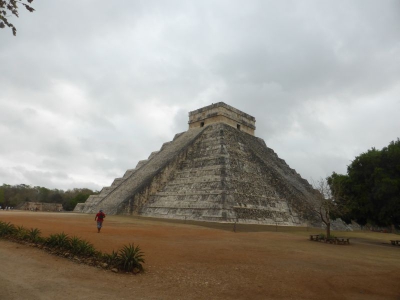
column 40, row 206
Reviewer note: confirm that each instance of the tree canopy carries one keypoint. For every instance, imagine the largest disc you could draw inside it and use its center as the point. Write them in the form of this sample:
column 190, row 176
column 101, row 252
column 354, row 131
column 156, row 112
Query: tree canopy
column 371, row 188
column 9, row 8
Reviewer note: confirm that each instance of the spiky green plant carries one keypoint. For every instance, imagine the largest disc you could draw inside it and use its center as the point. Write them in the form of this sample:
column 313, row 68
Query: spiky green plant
column 63, row 240
column 21, row 233
column 98, row 255
column 111, row 259
column 75, row 244
column 86, row 248
column 7, row 229
column 51, row 240
column 59, row 240
column 81, row 247
column 34, row 235
column 130, row 257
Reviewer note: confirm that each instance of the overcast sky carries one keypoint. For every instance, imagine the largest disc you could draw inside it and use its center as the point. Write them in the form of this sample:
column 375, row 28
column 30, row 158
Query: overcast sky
column 89, row 88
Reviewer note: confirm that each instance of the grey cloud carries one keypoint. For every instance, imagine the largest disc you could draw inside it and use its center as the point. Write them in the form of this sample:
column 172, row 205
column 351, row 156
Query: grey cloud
column 90, row 88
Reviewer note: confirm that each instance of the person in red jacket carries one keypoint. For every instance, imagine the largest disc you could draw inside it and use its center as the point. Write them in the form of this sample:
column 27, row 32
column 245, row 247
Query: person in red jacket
column 99, row 218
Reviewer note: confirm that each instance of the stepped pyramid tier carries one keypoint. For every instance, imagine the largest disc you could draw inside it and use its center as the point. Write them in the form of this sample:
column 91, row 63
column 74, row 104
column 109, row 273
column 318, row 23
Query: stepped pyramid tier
column 216, row 171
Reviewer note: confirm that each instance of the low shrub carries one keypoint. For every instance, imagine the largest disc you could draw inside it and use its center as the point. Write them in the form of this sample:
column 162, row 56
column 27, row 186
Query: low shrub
column 7, row 229
column 130, row 257
column 86, row 248
column 21, row 233
column 34, row 236
column 111, row 259
column 58, row 240
column 75, row 245
column 323, row 236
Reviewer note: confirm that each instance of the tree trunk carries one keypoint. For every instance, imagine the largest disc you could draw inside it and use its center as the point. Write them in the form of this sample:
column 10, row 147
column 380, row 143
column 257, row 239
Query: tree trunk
column 328, row 230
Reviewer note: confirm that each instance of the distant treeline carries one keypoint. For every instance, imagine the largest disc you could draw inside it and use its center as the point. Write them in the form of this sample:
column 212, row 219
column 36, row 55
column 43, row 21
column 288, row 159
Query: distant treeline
column 14, row 195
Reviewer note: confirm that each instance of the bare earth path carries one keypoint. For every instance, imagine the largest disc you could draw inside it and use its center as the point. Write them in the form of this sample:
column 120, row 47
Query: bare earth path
column 193, row 262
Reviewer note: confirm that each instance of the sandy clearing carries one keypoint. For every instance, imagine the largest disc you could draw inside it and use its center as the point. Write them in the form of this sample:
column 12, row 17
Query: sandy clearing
column 185, row 261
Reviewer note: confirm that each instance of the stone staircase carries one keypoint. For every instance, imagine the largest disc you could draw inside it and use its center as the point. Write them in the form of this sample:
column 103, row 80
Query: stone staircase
column 111, row 198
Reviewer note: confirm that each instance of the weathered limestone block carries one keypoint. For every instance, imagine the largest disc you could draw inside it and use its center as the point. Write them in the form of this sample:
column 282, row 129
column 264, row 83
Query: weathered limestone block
column 116, row 182
column 141, row 163
column 128, row 173
column 152, row 154
column 104, row 191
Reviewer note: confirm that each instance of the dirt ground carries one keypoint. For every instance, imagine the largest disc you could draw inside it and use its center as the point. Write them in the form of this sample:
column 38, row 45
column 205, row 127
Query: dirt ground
column 188, row 261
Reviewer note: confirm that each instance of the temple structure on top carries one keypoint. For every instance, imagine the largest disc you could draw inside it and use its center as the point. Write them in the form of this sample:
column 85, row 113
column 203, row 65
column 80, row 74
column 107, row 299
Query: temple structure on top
column 222, row 113
column 218, row 170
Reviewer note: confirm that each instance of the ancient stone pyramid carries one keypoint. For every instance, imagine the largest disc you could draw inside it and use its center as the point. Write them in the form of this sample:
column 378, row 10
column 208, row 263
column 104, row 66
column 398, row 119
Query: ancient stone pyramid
column 216, row 171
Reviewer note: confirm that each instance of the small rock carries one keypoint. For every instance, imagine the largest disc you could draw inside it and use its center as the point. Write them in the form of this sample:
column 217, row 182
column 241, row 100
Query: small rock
column 115, row 270
column 104, row 265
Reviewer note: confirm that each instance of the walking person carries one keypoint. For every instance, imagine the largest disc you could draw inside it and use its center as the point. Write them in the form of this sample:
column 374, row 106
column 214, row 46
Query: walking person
column 99, row 218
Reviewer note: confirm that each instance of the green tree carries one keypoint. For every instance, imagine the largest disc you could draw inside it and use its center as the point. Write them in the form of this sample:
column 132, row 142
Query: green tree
column 70, row 203
column 43, row 194
column 10, row 7
column 371, row 189
column 56, row 197
column 338, row 188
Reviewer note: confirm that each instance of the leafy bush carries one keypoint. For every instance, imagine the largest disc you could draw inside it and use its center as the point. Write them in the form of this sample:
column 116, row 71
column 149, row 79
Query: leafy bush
column 130, row 257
